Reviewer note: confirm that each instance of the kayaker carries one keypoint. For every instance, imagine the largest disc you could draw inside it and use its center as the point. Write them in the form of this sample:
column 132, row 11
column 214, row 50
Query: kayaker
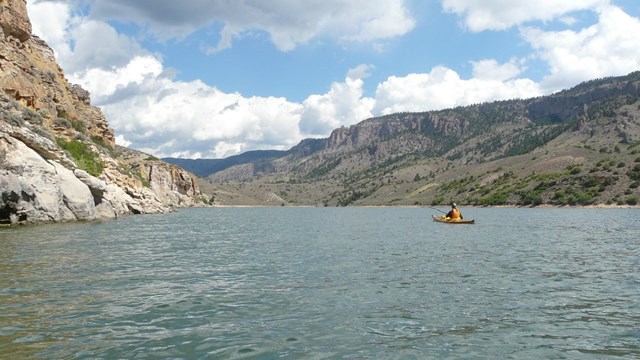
column 454, row 214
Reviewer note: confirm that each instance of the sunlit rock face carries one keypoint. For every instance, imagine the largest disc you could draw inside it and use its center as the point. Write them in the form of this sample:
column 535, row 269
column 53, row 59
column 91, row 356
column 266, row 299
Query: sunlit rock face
column 39, row 111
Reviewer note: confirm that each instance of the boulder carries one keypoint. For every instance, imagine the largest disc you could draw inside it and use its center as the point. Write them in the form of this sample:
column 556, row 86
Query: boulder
column 76, row 196
column 14, row 19
column 97, row 186
column 31, row 187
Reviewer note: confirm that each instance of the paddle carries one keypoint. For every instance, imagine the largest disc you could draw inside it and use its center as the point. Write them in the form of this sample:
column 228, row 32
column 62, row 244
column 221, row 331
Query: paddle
column 444, row 212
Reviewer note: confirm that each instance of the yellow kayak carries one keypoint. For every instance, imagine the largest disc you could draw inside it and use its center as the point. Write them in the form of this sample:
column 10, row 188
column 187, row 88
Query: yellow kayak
column 448, row 221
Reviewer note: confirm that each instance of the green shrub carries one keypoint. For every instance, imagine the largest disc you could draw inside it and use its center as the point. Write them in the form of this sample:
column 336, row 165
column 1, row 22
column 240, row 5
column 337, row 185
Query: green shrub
column 32, row 117
column 44, row 132
column 100, row 142
column 633, row 144
column 584, row 198
column 531, row 198
column 61, row 122
column 85, row 159
column 591, row 181
column 79, row 126
column 634, row 174
column 12, row 119
column 499, row 198
column 145, row 182
column 44, row 113
column 576, row 170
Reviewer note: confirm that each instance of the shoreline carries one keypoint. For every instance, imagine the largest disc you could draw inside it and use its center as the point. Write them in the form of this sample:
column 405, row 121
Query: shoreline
column 544, row 206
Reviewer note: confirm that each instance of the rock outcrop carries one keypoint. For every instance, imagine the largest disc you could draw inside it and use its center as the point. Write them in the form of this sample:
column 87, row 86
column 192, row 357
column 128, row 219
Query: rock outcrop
column 40, row 113
column 14, row 19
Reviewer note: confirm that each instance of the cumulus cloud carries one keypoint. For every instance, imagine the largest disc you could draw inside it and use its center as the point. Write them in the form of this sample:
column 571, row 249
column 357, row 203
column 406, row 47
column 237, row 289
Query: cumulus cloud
column 174, row 118
column 610, row 47
column 112, row 84
column 289, row 23
column 443, row 88
column 56, row 23
column 500, row 14
column 152, row 111
column 344, row 104
column 49, row 21
column 490, row 69
column 361, row 71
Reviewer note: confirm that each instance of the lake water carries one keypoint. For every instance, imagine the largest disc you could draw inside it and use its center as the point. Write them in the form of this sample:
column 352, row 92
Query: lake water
column 325, row 283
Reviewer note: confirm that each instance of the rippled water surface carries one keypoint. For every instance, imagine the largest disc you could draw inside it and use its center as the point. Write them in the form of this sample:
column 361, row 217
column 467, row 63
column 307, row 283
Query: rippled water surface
column 316, row 283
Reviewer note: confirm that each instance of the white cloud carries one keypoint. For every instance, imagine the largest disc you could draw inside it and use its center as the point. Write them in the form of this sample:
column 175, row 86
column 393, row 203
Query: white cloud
column 489, row 69
column 443, row 88
column 49, row 21
column 105, row 84
column 289, row 23
column 375, row 19
column 168, row 117
column 610, row 47
column 54, row 22
column 344, row 104
column 503, row 14
column 361, row 71
column 224, row 149
column 112, row 49
column 153, row 112
column 120, row 140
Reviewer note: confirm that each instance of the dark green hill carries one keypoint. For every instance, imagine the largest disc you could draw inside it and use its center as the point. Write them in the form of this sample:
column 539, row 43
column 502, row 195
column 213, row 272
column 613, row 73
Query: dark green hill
column 205, row 167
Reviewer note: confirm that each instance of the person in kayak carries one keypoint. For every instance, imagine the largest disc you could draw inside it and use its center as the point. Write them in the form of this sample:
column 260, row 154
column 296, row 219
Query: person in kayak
column 454, row 214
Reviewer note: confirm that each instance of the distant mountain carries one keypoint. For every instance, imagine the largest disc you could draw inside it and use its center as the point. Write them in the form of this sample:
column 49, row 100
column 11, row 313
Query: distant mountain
column 205, row 167
column 260, row 159
column 575, row 147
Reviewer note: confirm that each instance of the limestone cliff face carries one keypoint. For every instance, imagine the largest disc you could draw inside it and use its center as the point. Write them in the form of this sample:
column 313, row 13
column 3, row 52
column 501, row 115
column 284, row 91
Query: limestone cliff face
column 30, row 75
column 41, row 112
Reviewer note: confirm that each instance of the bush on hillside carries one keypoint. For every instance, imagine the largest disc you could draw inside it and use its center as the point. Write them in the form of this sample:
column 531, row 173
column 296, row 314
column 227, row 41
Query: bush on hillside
column 85, row 159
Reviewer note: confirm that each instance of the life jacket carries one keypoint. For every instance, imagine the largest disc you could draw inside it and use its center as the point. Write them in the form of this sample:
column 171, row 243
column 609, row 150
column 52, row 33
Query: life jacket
column 455, row 214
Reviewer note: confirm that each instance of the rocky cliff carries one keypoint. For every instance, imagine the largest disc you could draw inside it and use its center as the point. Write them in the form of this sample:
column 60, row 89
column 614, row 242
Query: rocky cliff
column 58, row 159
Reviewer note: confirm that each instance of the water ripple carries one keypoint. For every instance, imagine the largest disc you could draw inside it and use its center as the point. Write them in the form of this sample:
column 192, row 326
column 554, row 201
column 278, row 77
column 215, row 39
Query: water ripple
column 324, row 283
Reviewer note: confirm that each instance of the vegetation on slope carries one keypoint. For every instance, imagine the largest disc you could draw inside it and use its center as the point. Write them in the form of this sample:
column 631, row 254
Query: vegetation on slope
column 577, row 147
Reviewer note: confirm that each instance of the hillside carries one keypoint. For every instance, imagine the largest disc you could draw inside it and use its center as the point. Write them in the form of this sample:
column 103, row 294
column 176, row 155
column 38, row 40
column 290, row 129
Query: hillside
column 58, row 159
column 577, row 147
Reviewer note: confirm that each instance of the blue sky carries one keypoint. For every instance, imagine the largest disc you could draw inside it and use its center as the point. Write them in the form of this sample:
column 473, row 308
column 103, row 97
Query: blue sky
column 212, row 78
column 255, row 67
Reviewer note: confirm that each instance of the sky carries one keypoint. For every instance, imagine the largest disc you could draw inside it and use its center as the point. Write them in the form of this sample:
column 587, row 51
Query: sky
column 216, row 78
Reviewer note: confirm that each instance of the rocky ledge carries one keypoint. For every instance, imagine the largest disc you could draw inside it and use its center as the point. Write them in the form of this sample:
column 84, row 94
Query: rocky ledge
column 40, row 182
